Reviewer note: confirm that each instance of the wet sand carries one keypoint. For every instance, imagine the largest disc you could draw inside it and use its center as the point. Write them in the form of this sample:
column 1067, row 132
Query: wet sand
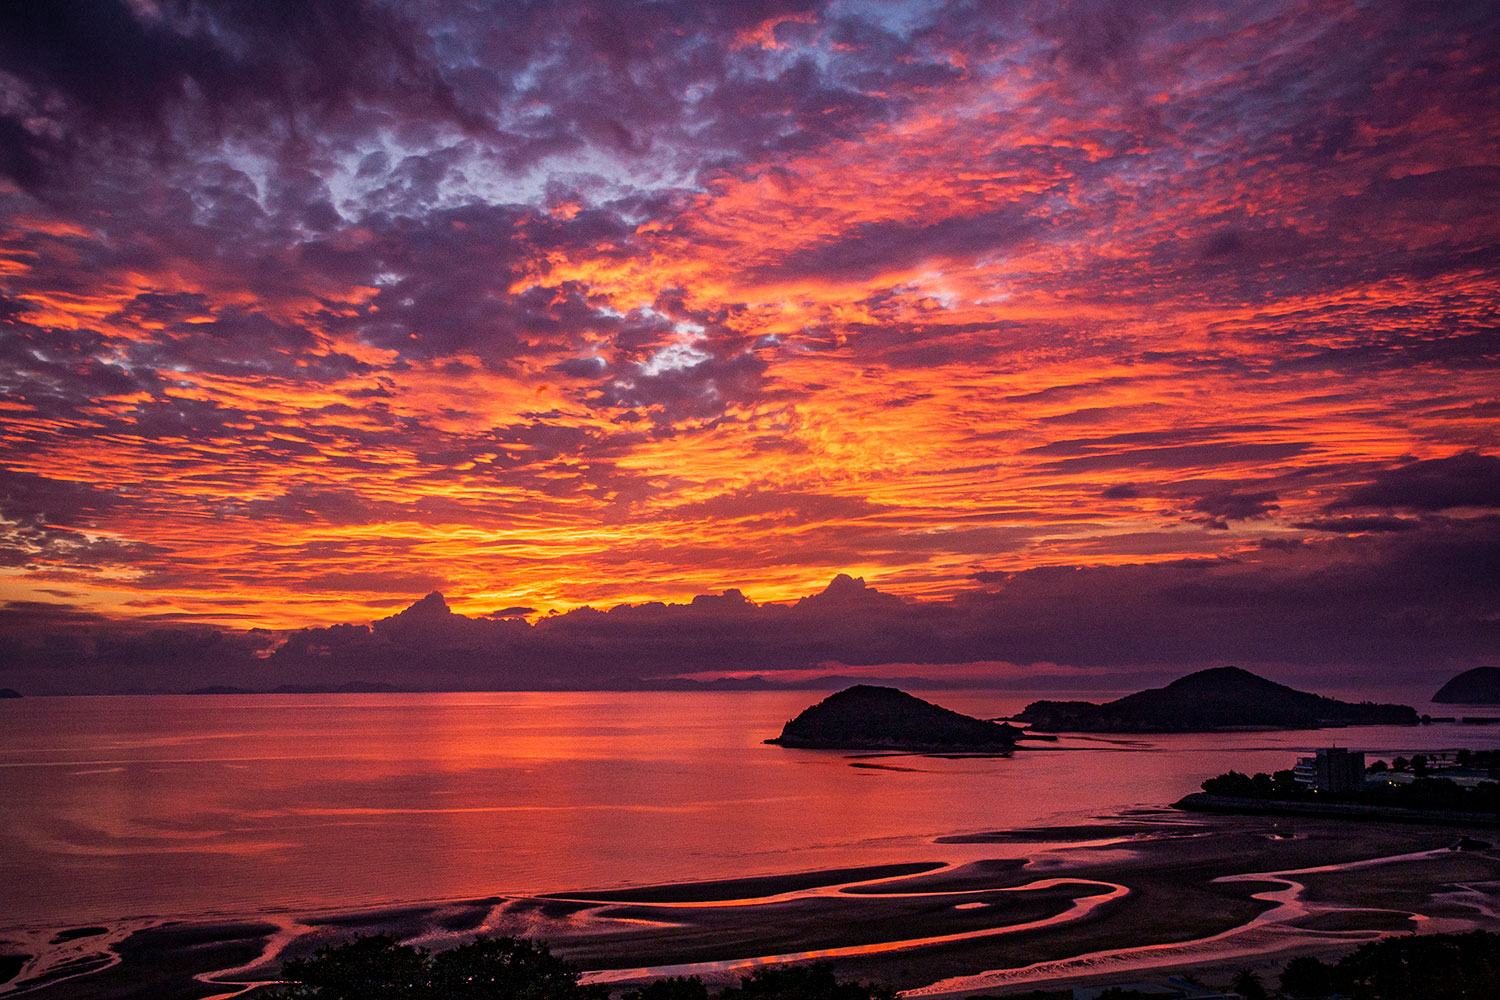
column 11, row 965
column 1115, row 901
column 748, row 888
column 1055, row 834
column 152, row 963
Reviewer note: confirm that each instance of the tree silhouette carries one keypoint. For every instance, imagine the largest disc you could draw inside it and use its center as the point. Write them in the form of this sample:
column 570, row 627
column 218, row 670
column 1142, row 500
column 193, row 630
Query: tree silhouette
column 802, row 982
column 1307, row 977
column 1429, row 966
column 372, row 966
column 377, row 967
column 507, row 967
column 671, row 988
column 1247, row 984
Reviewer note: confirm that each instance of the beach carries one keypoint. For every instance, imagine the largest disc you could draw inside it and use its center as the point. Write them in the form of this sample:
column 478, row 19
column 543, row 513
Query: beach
column 1122, row 898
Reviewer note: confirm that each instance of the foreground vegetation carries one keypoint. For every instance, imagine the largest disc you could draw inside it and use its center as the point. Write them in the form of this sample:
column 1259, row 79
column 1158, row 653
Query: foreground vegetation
column 378, row 967
column 1430, row 966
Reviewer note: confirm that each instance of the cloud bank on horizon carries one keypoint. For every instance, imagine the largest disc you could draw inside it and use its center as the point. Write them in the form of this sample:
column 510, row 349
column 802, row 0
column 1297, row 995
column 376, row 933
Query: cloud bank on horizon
column 1095, row 334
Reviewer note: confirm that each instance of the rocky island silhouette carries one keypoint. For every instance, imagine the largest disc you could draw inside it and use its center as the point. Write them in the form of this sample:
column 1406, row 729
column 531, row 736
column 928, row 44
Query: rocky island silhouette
column 867, row 717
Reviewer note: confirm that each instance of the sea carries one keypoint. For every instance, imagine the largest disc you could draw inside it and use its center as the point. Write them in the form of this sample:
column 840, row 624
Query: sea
column 195, row 807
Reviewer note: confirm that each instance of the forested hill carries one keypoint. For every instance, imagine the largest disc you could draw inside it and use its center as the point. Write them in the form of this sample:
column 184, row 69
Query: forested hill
column 865, row 717
column 1480, row 686
column 1220, row 698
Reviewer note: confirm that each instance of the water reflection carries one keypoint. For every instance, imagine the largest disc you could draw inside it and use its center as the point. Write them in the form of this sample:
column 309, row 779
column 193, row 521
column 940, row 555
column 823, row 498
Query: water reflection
column 182, row 806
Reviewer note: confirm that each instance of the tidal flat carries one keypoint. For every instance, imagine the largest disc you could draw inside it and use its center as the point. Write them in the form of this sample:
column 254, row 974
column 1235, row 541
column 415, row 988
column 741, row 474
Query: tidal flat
column 1131, row 894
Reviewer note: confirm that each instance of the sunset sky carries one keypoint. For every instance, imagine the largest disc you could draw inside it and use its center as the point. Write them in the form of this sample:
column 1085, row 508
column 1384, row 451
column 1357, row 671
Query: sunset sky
column 307, row 310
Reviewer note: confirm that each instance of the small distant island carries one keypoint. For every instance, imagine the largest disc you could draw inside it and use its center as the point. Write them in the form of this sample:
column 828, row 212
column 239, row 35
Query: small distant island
column 9, row 693
column 866, row 717
column 1209, row 700
column 352, row 687
column 1480, row 686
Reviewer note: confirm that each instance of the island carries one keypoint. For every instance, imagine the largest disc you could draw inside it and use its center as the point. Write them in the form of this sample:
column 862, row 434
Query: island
column 1480, row 686
column 866, row 717
column 350, row 687
column 1208, row 700
column 9, row 693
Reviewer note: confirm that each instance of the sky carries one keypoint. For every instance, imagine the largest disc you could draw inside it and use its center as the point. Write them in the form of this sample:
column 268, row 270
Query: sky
column 1050, row 336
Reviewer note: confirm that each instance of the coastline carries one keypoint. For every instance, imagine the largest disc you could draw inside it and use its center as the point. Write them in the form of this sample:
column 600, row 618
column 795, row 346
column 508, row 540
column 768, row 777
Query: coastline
column 1208, row 803
column 1132, row 893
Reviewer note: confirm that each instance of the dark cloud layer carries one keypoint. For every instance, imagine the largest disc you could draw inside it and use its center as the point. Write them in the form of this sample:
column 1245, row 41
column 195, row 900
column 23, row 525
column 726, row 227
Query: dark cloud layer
column 1419, row 602
column 1466, row 480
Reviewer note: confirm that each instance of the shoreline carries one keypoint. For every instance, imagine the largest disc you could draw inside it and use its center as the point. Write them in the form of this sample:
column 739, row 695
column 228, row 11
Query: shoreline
column 1131, row 893
column 1209, row 803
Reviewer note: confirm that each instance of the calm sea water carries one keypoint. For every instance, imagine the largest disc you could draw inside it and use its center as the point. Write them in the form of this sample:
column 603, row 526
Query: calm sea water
column 195, row 806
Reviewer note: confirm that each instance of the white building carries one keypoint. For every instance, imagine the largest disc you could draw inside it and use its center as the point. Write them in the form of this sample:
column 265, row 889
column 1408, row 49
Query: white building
column 1331, row 769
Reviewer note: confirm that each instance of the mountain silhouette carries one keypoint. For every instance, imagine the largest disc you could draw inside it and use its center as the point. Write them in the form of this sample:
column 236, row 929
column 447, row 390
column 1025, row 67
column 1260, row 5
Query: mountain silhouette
column 866, row 717
column 1480, row 686
column 1218, row 698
